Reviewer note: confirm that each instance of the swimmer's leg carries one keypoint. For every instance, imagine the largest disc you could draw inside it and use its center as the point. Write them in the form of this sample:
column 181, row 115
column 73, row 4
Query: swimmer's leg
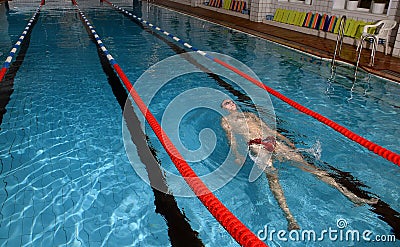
column 325, row 177
column 277, row 191
column 263, row 160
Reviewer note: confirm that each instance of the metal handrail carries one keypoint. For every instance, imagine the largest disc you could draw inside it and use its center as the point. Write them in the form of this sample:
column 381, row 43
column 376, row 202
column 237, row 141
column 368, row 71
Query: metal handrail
column 359, row 49
column 339, row 37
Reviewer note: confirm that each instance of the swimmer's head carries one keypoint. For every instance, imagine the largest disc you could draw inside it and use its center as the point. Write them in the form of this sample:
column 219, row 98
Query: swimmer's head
column 229, row 105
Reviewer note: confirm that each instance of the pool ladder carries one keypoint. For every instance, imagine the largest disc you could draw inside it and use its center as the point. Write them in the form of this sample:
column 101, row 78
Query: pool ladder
column 338, row 48
column 339, row 42
column 359, row 49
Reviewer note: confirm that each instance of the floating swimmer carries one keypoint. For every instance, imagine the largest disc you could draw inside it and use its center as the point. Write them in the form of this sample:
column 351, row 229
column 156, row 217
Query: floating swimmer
column 265, row 145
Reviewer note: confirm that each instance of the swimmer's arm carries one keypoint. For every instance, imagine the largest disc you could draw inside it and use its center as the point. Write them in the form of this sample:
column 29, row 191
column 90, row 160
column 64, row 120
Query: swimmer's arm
column 231, row 138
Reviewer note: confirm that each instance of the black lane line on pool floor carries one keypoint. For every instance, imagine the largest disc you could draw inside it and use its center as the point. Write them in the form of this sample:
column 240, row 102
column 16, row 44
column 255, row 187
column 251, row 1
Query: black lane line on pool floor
column 385, row 212
column 7, row 84
column 179, row 229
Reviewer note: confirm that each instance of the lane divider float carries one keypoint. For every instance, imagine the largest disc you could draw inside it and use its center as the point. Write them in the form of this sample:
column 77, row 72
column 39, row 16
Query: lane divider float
column 377, row 149
column 221, row 213
column 7, row 62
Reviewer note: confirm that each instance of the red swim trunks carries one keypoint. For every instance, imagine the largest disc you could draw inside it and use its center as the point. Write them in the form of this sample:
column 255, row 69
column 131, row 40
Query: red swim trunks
column 269, row 143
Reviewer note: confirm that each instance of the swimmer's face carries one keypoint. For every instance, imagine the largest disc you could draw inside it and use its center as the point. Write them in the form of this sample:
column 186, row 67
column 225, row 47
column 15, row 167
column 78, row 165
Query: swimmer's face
column 229, row 105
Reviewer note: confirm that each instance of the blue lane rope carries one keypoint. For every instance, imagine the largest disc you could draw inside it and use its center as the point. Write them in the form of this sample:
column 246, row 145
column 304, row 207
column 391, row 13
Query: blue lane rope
column 98, row 40
column 16, row 46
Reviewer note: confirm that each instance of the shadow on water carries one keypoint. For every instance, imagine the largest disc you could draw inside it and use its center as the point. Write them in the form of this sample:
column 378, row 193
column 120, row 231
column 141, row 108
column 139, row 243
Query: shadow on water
column 7, row 84
column 381, row 208
column 358, row 188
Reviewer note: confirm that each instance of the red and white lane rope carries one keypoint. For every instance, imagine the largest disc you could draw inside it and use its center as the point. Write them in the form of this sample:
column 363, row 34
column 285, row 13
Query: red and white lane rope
column 226, row 218
column 379, row 150
column 13, row 51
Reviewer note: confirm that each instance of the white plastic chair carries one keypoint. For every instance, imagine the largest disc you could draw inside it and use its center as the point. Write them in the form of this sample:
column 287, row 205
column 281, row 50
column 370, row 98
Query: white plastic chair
column 382, row 32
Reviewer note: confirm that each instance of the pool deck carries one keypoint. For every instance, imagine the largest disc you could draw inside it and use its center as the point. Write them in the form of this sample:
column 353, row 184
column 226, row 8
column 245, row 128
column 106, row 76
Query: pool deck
column 385, row 65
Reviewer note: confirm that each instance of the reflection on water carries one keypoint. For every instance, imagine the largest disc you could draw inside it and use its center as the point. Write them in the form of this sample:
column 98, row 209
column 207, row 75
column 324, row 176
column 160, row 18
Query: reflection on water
column 70, row 31
column 5, row 40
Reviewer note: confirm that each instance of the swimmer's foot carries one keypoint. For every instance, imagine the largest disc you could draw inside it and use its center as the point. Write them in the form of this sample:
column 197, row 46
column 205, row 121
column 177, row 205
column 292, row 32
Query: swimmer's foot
column 371, row 201
column 293, row 225
column 361, row 201
column 356, row 199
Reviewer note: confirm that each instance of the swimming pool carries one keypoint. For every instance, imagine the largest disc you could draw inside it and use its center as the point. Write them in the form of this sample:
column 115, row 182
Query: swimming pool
column 67, row 179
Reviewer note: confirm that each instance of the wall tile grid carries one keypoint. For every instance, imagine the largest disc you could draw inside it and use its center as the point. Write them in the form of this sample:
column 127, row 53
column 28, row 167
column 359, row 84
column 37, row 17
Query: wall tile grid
column 258, row 7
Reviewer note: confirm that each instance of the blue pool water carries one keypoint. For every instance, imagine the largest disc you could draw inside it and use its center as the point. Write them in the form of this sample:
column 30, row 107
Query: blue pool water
column 67, row 180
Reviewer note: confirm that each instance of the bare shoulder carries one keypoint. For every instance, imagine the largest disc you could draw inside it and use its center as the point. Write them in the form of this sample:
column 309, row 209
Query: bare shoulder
column 225, row 123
